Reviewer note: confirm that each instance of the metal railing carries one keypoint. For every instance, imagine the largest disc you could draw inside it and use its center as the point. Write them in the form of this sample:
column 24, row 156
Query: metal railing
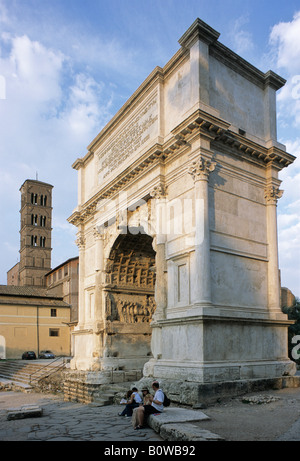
column 50, row 369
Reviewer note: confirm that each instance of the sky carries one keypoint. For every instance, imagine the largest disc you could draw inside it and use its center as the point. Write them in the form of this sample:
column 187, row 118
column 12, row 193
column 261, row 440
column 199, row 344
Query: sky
column 67, row 66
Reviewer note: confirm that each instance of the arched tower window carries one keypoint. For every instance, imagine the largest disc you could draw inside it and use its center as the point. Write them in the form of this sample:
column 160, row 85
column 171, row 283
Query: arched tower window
column 34, row 219
column 34, row 199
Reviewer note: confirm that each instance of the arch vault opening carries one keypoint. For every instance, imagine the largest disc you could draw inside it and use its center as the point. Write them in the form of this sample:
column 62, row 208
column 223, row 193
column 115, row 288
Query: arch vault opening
column 129, row 302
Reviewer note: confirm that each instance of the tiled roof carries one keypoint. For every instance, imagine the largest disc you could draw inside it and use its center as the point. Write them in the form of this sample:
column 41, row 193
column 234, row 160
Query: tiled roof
column 10, row 294
column 22, row 291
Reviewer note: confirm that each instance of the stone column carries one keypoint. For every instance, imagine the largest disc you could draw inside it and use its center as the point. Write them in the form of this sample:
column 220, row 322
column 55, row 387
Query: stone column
column 159, row 198
column 158, row 215
column 80, row 242
column 200, row 170
column 99, row 267
column 98, row 321
column 99, row 250
column 272, row 194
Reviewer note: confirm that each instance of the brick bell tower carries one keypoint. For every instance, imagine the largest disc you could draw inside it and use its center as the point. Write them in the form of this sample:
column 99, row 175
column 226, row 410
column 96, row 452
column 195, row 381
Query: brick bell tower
column 35, row 232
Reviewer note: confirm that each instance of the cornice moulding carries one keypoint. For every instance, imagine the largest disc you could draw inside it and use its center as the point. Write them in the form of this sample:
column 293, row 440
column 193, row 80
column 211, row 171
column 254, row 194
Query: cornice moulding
column 80, row 162
column 244, row 68
column 80, row 216
column 155, row 77
column 199, row 123
column 219, row 131
column 199, row 30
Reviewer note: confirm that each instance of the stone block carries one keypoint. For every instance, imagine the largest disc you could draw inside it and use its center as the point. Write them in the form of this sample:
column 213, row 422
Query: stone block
column 187, row 432
column 26, row 411
column 175, row 416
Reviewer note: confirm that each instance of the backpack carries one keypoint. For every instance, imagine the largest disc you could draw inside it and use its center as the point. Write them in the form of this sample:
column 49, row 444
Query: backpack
column 167, row 401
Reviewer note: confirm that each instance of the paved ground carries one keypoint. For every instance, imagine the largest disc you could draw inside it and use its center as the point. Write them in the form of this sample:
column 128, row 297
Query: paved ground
column 67, row 421
column 233, row 420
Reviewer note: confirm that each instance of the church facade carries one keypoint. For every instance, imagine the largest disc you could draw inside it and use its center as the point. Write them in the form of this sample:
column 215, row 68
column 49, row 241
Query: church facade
column 177, row 227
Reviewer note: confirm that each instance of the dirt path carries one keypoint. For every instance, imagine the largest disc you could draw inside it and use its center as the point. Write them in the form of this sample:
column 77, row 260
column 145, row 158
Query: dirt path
column 238, row 421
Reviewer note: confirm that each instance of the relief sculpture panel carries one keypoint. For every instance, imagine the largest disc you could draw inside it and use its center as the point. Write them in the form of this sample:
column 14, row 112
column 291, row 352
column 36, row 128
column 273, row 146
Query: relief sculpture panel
column 129, row 308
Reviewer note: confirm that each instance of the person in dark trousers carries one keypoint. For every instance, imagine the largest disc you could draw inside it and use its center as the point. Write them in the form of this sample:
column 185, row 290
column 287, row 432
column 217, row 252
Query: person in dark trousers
column 134, row 401
column 156, row 406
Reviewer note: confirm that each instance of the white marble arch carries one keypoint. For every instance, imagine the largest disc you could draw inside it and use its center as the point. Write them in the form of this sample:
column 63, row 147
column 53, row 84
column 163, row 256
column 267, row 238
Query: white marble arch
column 199, row 131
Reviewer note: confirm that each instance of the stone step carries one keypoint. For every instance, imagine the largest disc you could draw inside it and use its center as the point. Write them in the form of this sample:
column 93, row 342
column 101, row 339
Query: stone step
column 14, row 375
column 17, row 371
column 24, row 372
column 7, row 383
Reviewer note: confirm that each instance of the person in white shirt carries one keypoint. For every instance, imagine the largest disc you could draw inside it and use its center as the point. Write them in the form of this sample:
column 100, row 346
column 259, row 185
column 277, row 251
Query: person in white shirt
column 156, row 406
column 134, row 401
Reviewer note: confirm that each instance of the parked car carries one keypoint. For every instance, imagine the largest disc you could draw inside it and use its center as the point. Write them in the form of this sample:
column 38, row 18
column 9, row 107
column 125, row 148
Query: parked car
column 28, row 355
column 46, row 355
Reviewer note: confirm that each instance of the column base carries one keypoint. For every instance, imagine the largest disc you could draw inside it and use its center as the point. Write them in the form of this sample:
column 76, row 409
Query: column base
column 195, row 394
column 217, row 346
column 220, row 372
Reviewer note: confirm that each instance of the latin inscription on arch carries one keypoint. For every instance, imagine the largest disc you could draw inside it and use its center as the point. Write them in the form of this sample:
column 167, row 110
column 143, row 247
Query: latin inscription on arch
column 138, row 131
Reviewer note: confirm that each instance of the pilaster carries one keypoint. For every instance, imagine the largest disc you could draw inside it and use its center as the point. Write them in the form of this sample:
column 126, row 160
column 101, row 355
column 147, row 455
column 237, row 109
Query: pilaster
column 158, row 195
column 99, row 274
column 272, row 195
column 201, row 287
column 80, row 242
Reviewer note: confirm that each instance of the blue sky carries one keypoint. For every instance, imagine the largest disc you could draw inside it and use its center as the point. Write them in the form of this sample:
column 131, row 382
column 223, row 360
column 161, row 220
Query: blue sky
column 67, row 66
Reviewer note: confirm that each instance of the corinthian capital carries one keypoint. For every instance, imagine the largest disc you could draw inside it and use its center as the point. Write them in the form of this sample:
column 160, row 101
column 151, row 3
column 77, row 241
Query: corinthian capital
column 273, row 194
column 159, row 191
column 201, row 168
column 80, row 241
column 98, row 232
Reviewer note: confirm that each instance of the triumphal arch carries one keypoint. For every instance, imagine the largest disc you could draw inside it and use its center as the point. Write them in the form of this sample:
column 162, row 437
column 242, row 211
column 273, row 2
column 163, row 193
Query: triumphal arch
column 177, row 229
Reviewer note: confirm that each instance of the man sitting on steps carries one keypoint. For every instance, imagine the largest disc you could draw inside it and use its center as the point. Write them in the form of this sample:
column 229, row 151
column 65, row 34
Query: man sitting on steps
column 156, row 406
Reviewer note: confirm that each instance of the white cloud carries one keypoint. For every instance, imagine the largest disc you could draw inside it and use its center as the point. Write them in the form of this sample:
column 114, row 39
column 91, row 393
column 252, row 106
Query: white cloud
column 285, row 47
column 4, row 18
column 289, row 250
column 289, row 221
column 85, row 112
column 47, row 119
column 46, row 101
column 242, row 39
column 291, row 175
column 285, row 36
column 32, row 72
